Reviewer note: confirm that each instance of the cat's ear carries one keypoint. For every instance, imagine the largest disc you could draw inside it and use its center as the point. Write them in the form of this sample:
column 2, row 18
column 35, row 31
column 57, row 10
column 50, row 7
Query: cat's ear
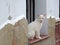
column 37, row 15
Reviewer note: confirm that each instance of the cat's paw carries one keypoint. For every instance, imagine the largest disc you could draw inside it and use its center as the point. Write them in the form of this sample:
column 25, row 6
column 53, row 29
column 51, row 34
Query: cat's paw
column 39, row 37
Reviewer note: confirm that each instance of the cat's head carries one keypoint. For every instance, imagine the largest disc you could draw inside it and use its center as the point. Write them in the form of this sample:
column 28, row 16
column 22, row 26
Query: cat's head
column 41, row 18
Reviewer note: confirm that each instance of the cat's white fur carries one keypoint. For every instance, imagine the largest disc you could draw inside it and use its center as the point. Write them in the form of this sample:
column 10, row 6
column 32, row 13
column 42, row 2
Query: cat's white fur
column 35, row 27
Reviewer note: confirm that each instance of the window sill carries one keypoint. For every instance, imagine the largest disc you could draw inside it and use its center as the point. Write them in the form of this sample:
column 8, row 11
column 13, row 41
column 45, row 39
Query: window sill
column 37, row 40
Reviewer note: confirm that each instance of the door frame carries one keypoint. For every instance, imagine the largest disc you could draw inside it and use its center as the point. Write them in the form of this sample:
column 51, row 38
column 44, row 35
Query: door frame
column 59, row 8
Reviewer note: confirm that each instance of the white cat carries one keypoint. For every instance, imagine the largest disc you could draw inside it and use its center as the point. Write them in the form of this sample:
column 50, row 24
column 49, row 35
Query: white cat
column 35, row 27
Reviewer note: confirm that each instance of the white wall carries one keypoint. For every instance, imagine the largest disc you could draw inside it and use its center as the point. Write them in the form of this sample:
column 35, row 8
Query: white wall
column 17, row 7
column 53, row 8
column 50, row 7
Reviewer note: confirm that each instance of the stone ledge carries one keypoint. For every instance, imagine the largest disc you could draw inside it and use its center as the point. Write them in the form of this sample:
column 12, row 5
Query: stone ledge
column 37, row 40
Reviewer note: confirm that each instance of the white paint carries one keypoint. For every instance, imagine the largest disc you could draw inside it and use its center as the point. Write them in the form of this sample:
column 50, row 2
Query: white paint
column 17, row 8
column 52, row 8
